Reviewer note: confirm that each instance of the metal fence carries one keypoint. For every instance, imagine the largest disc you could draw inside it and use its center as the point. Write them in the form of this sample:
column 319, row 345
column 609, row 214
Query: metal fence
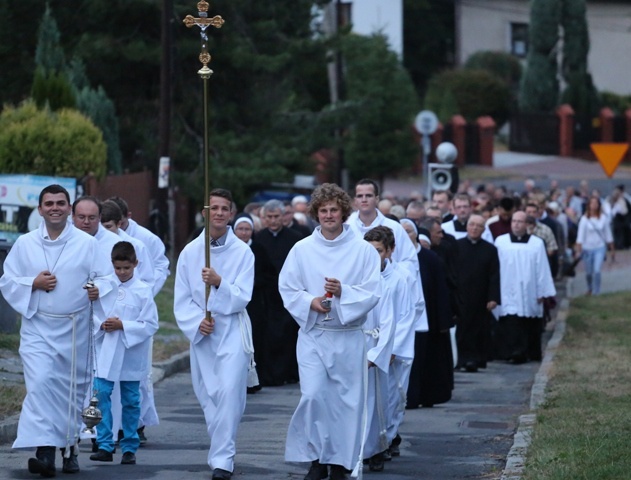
column 534, row 133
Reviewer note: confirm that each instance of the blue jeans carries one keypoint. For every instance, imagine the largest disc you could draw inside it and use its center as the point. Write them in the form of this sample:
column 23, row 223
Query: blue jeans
column 130, row 400
column 594, row 260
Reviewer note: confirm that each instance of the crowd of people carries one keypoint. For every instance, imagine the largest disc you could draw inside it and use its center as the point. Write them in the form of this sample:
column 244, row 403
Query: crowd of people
column 368, row 301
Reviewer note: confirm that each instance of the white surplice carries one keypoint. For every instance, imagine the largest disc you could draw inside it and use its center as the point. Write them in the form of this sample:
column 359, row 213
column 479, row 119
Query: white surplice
column 410, row 317
column 524, row 275
column 403, row 253
column 219, row 361
column 156, row 252
column 327, row 424
column 379, row 333
column 123, row 354
column 51, row 412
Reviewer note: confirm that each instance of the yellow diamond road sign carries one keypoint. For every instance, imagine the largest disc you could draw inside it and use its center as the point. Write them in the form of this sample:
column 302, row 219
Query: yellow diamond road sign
column 610, row 155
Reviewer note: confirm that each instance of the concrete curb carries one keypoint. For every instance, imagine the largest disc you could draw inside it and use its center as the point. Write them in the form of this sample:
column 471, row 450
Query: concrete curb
column 516, row 458
column 160, row 370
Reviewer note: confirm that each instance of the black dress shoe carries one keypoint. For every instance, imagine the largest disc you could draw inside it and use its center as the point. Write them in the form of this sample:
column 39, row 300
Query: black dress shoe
column 70, row 464
column 102, row 456
column 141, row 436
column 220, row 474
column 317, row 471
column 338, row 472
column 471, row 367
column 376, row 463
column 44, row 462
column 128, row 459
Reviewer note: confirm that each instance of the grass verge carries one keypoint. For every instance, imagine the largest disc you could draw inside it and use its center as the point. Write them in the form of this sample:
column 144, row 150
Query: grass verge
column 583, row 428
column 11, row 397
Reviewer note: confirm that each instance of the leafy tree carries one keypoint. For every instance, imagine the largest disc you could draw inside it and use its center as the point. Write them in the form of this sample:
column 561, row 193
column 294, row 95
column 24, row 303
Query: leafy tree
column 379, row 140
column 539, row 90
column 62, row 143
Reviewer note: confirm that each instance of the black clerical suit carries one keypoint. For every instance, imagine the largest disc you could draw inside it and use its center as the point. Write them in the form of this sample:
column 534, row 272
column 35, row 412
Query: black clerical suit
column 276, row 331
column 479, row 283
column 432, row 376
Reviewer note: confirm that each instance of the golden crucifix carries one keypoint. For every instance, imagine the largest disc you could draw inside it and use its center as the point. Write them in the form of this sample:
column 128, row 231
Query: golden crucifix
column 203, row 22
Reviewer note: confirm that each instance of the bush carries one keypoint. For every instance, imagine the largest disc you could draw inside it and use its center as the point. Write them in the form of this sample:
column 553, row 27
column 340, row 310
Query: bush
column 63, row 143
column 470, row 93
column 500, row 64
column 618, row 103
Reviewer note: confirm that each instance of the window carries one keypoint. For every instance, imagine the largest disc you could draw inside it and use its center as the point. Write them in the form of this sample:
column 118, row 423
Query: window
column 519, row 39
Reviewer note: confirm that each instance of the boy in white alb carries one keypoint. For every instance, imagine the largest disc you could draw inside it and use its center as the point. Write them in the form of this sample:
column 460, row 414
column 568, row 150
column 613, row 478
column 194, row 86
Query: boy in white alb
column 122, row 344
column 379, row 333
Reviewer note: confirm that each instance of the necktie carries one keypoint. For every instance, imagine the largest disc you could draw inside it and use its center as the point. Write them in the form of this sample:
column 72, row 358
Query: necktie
column 214, row 243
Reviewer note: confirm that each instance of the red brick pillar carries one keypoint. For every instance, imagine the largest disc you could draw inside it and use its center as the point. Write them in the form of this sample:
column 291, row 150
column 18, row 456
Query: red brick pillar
column 459, row 128
column 606, row 125
column 566, row 130
column 486, row 127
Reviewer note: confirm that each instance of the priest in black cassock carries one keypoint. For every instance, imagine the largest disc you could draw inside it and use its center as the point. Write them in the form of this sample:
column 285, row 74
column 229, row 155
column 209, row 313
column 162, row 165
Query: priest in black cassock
column 432, row 374
column 479, row 286
column 277, row 332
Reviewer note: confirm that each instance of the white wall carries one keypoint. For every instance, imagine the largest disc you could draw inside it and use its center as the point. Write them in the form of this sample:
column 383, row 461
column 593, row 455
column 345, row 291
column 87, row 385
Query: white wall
column 385, row 16
column 485, row 26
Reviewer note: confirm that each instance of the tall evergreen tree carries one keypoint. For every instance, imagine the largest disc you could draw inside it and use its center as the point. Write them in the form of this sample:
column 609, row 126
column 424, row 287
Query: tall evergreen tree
column 49, row 54
column 379, row 140
column 580, row 91
column 539, row 90
column 50, row 84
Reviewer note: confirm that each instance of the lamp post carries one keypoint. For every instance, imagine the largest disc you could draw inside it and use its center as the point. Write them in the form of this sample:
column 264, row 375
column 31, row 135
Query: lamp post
column 203, row 22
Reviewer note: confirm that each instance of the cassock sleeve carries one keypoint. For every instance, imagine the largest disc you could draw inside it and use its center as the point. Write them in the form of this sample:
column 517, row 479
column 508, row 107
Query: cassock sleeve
column 233, row 296
column 380, row 353
column 293, row 290
column 544, row 285
column 359, row 298
column 104, row 279
column 494, row 276
column 17, row 289
column 188, row 312
column 140, row 327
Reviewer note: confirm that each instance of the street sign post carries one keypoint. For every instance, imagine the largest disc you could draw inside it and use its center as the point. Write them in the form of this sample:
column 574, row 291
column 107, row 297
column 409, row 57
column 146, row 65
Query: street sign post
column 426, row 123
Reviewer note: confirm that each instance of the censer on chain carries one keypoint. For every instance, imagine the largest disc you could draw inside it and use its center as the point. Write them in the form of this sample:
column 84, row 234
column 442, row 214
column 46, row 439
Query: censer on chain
column 91, row 414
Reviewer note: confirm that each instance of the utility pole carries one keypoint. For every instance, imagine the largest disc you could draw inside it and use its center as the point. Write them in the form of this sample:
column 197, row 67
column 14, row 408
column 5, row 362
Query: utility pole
column 165, row 193
column 337, row 15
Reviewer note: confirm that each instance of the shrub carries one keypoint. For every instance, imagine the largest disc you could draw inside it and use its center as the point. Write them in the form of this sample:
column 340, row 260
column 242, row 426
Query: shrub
column 500, row 64
column 471, row 93
column 62, row 143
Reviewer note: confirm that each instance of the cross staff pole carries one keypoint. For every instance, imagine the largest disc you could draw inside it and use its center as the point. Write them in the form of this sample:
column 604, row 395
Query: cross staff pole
column 204, row 57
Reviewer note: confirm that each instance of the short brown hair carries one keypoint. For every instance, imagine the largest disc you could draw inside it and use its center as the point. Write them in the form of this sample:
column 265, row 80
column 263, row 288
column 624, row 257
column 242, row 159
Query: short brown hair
column 381, row 234
column 330, row 192
column 124, row 252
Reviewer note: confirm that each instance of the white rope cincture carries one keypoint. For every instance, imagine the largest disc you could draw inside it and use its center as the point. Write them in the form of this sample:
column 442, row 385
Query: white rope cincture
column 246, row 332
column 359, row 466
column 72, row 394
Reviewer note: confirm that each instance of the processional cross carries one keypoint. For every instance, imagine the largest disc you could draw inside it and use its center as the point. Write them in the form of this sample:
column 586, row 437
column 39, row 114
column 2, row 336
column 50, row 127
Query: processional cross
column 204, row 57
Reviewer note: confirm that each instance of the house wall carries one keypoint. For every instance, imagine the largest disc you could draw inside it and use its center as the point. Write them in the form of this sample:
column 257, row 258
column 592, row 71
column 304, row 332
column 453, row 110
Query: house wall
column 485, row 25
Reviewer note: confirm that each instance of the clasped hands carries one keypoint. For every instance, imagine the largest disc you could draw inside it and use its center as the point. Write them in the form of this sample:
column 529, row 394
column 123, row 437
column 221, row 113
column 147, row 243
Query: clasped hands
column 47, row 281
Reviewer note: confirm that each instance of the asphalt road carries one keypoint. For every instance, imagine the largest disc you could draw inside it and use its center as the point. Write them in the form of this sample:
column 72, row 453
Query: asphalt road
column 469, row 437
